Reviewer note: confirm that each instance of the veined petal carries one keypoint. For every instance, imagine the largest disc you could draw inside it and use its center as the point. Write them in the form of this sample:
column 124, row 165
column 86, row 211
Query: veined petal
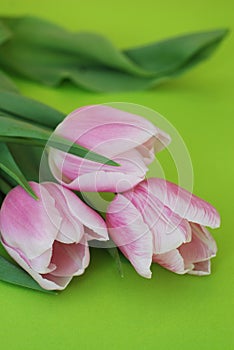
column 128, row 139
column 76, row 215
column 184, row 203
column 42, row 264
column 70, row 259
column 24, row 222
column 129, row 232
column 71, row 230
column 147, row 150
column 84, row 175
column 168, row 229
column 201, row 268
column 60, row 282
column 201, row 248
column 172, row 261
column 102, row 181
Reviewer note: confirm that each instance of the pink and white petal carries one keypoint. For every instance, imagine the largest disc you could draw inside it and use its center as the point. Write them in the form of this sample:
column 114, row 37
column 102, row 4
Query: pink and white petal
column 91, row 235
column 82, row 215
column 60, row 282
column 147, row 150
column 97, row 124
column 25, row 223
column 42, row 263
column 184, row 203
column 67, row 166
column 202, row 268
column 102, row 181
column 131, row 162
column 70, row 259
column 201, row 248
column 172, row 261
column 72, row 171
column 41, row 279
column 129, row 232
column 168, row 229
column 71, row 230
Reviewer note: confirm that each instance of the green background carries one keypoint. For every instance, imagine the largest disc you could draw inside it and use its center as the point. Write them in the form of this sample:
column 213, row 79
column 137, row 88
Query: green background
column 100, row 309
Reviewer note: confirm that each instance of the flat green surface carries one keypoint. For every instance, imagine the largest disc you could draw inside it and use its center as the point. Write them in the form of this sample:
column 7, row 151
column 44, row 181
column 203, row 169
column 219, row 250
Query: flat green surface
column 101, row 310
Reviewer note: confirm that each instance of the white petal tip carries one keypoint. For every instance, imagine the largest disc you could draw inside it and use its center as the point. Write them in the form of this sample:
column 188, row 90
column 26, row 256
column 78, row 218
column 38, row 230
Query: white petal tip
column 146, row 274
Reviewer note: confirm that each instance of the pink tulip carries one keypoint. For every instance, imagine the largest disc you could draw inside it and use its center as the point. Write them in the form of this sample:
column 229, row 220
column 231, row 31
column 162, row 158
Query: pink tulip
column 128, row 139
column 158, row 221
column 48, row 237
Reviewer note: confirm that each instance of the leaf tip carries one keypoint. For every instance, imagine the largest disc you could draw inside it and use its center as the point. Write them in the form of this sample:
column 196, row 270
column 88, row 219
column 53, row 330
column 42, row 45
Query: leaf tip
column 113, row 163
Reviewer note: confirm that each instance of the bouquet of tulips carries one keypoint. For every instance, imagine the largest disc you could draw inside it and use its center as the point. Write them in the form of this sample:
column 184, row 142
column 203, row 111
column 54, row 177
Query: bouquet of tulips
column 47, row 223
column 50, row 163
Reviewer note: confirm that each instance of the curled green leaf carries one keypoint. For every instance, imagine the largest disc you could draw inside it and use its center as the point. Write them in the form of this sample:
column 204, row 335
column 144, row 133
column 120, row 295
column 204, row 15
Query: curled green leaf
column 44, row 52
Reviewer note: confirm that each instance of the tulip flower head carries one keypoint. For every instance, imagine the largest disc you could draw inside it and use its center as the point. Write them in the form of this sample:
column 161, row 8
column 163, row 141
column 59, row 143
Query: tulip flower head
column 49, row 237
column 128, row 139
column 158, row 221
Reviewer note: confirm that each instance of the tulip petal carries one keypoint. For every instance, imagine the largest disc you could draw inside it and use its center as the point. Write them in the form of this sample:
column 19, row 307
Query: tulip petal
column 72, row 166
column 95, row 125
column 69, row 259
column 29, row 227
column 60, row 282
column 71, row 229
column 128, row 139
column 201, row 268
column 201, row 248
column 84, row 175
column 168, row 229
column 129, row 232
column 42, row 264
column 76, row 214
column 172, row 261
column 148, row 150
column 184, row 203
column 46, row 283
column 104, row 182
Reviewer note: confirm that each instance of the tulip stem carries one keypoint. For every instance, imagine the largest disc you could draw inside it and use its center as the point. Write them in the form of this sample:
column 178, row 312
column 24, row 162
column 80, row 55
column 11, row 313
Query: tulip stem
column 114, row 252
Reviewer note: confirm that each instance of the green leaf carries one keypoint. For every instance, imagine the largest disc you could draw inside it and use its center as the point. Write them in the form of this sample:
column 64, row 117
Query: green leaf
column 176, row 53
column 5, row 33
column 44, row 52
column 9, row 166
column 11, row 273
column 16, row 131
column 27, row 109
column 28, row 159
column 1, row 196
column 5, row 187
column 6, row 84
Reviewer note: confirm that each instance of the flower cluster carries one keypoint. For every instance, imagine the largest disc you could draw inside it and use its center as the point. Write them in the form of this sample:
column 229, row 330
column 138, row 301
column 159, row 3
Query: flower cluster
column 149, row 220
